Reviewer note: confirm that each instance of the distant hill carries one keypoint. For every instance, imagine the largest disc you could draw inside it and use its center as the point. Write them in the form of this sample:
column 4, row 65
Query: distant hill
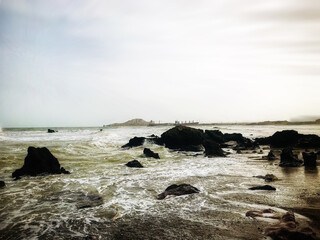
column 132, row 122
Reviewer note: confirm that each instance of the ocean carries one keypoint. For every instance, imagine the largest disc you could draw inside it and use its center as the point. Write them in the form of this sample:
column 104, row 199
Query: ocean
column 45, row 207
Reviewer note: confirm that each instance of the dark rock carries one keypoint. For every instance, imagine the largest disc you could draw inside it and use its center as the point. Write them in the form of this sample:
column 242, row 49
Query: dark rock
column 212, row 149
column 134, row 164
column 178, row 190
column 2, row 184
column 155, row 139
column 149, row 153
column 310, row 159
column 239, row 151
column 134, row 142
column 271, row 156
column 268, row 177
column 264, row 187
column 288, row 159
column 285, row 138
column 39, row 161
column 183, row 138
column 51, row 130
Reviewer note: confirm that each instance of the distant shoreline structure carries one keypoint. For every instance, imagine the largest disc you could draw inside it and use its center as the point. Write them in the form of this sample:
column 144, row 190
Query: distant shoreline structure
column 141, row 122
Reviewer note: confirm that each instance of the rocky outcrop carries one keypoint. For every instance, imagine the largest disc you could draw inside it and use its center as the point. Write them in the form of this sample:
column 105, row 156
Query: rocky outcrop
column 213, row 149
column 134, row 142
column 134, row 164
column 264, row 187
column 287, row 159
column 39, row 161
column 2, row 184
column 183, row 138
column 149, row 153
column 290, row 138
column 310, row 159
column 178, row 190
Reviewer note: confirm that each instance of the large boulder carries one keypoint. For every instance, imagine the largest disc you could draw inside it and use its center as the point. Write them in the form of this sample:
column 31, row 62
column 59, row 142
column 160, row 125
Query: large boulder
column 178, row 190
column 183, row 138
column 213, row 149
column 39, row 161
column 310, row 159
column 288, row 159
column 149, row 153
column 134, row 142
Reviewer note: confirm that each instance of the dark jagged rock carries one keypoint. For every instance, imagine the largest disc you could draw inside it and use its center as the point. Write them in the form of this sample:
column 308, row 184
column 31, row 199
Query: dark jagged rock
column 39, row 161
column 310, row 159
column 149, row 153
column 264, row 187
column 290, row 138
column 64, row 171
column 178, row 190
column 2, row 184
column 51, row 131
column 271, row 156
column 134, row 164
column 213, row 149
column 134, row 142
column 183, row 138
column 288, row 159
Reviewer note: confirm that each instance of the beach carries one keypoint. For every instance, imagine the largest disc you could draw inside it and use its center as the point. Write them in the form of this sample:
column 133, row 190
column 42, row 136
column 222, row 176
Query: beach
column 45, row 207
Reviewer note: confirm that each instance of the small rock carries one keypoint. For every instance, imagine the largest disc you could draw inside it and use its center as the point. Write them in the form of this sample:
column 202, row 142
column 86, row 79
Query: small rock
column 51, row 130
column 134, row 164
column 268, row 177
column 149, row 153
column 2, row 184
column 178, row 190
column 271, row 156
column 264, row 187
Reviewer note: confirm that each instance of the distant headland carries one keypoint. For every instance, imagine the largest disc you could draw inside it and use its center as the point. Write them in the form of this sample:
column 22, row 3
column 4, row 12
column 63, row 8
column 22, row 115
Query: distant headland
column 141, row 122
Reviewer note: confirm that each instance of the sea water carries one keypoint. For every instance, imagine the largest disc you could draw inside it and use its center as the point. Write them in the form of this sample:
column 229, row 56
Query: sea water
column 45, row 207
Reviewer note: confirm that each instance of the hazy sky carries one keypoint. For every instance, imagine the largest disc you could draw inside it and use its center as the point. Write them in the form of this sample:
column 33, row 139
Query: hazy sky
column 82, row 63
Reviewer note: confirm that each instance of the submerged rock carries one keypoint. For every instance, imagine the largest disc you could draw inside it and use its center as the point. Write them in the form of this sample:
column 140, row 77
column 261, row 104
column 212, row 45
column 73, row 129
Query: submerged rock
column 178, row 190
column 39, row 161
column 288, row 159
column 213, row 149
column 310, row 159
column 149, row 153
column 89, row 200
column 134, row 164
column 2, row 184
column 134, row 142
column 264, row 187
column 183, row 138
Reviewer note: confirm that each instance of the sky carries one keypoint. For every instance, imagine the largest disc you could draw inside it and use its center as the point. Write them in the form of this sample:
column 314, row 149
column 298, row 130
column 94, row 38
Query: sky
column 89, row 63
